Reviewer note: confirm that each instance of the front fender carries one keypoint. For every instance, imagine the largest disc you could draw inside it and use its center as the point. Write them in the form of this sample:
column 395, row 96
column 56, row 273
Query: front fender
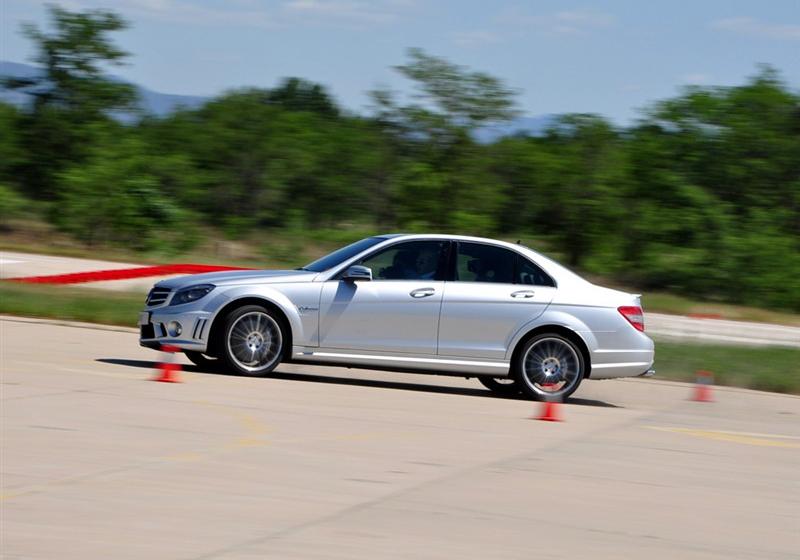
column 300, row 329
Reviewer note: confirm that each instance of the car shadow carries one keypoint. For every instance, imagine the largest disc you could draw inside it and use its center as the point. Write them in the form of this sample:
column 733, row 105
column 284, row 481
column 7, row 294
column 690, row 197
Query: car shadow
column 360, row 382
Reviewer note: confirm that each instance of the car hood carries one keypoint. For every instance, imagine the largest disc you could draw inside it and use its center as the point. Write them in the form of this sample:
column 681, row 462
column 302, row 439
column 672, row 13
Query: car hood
column 236, row 277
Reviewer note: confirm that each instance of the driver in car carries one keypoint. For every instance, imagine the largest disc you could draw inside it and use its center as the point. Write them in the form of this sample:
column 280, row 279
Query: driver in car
column 426, row 265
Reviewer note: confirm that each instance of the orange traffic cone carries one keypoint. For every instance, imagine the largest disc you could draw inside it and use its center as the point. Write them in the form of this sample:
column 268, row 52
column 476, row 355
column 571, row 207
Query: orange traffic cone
column 702, row 388
column 168, row 369
column 549, row 411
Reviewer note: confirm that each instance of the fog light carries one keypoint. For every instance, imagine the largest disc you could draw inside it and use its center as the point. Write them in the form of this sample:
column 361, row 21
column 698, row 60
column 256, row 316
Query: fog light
column 174, row 328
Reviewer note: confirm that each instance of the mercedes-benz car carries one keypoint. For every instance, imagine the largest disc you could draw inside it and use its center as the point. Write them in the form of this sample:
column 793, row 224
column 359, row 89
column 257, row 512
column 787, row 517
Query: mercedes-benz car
column 444, row 304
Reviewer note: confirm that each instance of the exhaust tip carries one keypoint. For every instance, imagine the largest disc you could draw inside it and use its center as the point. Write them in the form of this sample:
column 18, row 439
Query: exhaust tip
column 649, row 373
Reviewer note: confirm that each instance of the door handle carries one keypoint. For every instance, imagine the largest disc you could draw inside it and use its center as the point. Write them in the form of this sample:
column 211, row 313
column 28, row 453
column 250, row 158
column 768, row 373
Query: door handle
column 523, row 294
column 422, row 292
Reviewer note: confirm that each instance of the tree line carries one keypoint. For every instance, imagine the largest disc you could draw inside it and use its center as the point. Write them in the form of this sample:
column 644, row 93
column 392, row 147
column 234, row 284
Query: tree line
column 700, row 196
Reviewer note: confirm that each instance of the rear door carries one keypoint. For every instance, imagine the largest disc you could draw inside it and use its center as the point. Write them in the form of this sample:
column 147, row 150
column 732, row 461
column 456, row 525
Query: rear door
column 494, row 292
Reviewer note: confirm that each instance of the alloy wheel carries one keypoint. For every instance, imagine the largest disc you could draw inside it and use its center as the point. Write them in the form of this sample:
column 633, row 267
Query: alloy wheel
column 254, row 342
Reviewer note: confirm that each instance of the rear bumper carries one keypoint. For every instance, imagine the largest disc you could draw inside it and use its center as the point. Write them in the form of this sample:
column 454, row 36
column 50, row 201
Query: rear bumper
column 620, row 369
column 635, row 360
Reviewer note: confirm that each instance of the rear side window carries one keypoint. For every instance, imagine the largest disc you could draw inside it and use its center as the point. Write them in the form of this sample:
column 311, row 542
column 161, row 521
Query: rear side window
column 529, row 273
column 476, row 262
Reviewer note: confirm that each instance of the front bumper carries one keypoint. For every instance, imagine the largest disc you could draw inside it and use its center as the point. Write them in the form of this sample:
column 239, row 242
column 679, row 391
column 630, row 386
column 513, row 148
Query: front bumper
column 157, row 327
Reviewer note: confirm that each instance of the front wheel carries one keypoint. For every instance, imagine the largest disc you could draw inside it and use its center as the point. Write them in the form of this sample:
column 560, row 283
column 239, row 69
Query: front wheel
column 549, row 367
column 253, row 343
column 504, row 386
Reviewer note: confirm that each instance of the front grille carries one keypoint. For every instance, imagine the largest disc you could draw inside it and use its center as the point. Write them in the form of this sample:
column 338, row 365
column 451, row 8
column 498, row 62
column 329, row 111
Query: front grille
column 157, row 296
column 147, row 331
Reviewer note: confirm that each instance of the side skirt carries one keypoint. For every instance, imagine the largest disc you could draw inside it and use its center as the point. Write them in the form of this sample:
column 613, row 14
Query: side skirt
column 406, row 364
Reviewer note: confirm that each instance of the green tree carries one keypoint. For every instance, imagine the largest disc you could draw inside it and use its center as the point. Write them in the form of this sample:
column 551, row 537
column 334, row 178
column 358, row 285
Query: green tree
column 12, row 154
column 258, row 162
column 71, row 93
column 580, row 172
column 434, row 134
column 462, row 97
column 713, row 177
column 12, row 206
column 72, row 57
column 121, row 195
column 296, row 94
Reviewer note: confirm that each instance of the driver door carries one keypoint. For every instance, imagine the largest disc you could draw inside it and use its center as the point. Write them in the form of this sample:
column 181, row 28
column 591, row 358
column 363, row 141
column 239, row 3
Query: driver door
column 395, row 313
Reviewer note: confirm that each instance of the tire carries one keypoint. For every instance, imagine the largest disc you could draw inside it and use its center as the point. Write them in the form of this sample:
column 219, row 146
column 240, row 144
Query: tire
column 549, row 366
column 203, row 361
column 505, row 386
column 253, row 339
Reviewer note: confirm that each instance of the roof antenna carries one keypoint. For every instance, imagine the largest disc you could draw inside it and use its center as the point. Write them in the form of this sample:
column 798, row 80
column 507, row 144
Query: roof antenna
column 518, row 241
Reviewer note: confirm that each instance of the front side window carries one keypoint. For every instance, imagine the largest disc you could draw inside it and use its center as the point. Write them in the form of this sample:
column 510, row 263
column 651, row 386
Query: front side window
column 412, row 260
column 476, row 262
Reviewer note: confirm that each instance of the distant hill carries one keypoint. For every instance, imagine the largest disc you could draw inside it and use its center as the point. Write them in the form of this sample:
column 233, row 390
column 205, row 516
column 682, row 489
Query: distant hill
column 152, row 102
column 162, row 104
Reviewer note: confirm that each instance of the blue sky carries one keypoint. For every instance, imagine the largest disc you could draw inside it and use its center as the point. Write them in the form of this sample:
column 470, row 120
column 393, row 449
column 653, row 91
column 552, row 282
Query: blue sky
column 611, row 57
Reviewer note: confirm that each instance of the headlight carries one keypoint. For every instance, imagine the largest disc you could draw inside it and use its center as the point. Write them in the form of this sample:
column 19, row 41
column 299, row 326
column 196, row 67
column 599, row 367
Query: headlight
column 193, row 293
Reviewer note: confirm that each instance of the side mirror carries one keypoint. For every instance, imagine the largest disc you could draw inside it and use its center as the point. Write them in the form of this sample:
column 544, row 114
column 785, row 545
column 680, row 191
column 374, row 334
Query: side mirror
column 357, row 272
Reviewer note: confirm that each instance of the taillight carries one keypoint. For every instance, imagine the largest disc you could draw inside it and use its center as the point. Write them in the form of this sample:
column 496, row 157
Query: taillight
column 634, row 315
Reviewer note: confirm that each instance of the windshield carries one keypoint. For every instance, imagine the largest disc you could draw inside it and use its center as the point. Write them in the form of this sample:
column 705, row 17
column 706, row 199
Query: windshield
column 340, row 255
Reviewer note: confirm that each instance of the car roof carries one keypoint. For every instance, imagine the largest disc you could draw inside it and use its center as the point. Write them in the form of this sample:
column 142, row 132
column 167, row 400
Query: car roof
column 449, row 236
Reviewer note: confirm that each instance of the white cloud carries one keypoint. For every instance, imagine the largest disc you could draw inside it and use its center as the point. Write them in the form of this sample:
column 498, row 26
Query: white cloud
column 697, row 78
column 569, row 22
column 475, row 38
column 353, row 11
column 585, row 19
column 256, row 13
column 755, row 28
column 185, row 11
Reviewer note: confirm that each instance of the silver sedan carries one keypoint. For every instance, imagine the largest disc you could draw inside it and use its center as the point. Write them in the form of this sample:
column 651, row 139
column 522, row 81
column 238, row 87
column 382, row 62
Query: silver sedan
column 440, row 304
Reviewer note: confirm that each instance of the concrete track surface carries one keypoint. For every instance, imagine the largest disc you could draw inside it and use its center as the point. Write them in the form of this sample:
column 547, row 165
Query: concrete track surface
column 718, row 331
column 323, row 463
column 17, row 265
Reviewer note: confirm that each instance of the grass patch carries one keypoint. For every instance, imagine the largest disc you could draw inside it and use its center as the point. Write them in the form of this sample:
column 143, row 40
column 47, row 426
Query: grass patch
column 68, row 303
column 765, row 369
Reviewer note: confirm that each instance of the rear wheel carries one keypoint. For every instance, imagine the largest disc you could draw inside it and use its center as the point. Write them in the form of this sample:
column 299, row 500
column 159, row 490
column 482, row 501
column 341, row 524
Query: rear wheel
column 253, row 340
column 505, row 386
column 549, row 366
